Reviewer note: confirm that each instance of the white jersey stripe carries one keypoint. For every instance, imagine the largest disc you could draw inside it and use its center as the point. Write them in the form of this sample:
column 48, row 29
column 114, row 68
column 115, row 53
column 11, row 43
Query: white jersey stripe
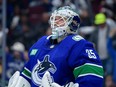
column 81, row 75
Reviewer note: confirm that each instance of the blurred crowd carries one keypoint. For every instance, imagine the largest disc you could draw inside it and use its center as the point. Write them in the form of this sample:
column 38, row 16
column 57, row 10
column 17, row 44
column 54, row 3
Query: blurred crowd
column 28, row 20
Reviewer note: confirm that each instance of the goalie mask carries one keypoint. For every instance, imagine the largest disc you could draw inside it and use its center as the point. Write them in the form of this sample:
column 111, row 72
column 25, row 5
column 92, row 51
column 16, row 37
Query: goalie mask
column 64, row 21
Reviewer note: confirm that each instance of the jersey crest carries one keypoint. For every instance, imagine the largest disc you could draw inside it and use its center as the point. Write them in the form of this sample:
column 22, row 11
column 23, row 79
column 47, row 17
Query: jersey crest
column 40, row 68
column 34, row 51
column 77, row 38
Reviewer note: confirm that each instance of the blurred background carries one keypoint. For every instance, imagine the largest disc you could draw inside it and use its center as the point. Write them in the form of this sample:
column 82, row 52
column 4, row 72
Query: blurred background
column 23, row 22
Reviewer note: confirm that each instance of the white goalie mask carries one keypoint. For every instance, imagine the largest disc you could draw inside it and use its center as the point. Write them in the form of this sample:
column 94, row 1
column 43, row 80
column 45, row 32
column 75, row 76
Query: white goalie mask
column 64, row 21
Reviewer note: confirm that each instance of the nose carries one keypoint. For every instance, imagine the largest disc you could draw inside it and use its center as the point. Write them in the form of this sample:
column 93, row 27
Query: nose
column 57, row 24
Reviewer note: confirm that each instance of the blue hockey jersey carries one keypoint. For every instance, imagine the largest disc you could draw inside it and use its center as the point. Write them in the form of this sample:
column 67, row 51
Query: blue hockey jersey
column 72, row 60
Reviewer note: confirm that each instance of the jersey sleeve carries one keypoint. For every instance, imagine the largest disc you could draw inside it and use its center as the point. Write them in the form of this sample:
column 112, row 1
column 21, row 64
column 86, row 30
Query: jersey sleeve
column 86, row 64
column 27, row 70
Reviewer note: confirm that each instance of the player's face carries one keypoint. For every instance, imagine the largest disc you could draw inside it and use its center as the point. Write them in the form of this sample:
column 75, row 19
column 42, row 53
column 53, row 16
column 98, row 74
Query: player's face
column 59, row 21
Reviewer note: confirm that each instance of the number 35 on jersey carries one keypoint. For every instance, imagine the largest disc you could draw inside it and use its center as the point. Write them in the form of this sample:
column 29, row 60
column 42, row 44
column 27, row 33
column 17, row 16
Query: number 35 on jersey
column 90, row 53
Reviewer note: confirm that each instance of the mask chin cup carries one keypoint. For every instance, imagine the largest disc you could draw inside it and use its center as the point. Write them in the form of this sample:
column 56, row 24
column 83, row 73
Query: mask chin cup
column 54, row 35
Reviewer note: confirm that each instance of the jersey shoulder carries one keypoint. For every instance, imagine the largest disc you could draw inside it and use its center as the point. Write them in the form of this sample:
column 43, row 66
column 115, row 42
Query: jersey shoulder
column 80, row 42
column 34, row 49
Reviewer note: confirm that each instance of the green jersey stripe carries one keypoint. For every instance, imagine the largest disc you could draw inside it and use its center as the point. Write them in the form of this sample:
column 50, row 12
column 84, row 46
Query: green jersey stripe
column 27, row 69
column 26, row 76
column 86, row 69
column 90, row 64
column 26, row 72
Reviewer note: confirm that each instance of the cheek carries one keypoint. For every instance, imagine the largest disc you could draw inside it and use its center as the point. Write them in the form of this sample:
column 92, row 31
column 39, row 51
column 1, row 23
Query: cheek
column 60, row 23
